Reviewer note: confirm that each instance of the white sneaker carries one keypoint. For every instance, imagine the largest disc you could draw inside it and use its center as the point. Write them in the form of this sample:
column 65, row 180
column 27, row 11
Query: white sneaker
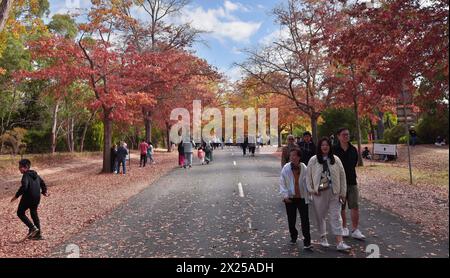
column 324, row 242
column 345, row 232
column 358, row 235
column 342, row 246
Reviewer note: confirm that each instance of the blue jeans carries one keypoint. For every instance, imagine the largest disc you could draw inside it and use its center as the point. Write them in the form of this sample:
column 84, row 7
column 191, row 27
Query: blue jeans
column 122, row 161
column 150, row 157
column 413, row 140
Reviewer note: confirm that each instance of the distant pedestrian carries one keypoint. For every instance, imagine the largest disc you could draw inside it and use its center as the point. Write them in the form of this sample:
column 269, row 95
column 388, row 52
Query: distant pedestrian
column 285, row 152
column 230, row 142
column 122, row 154
column 326, row 181
column 252, row 145
column 143, row 147
column 413, row 136
column 295, row 196
column 307, row 147
column 208, row 152
column 181, row 154
column 188, row 145
column 201, row 155
column 366, row 154
column 244, row 146
column 32, row 186
column 113, row 157
column 150, row 152
column 440, row 141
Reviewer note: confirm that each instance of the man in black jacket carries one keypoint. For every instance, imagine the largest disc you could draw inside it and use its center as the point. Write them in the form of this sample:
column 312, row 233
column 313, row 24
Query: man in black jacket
column 307, row 147
column 348, row 155
column 31, row 189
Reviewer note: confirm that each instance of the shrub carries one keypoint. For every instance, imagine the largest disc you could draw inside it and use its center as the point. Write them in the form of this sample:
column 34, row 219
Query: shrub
column 38, row 140
column 432, row 126
column 13, row 140
column 393, row 135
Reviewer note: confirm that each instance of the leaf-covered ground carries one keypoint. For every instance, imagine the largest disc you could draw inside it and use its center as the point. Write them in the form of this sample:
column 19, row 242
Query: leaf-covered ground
column 79, row 196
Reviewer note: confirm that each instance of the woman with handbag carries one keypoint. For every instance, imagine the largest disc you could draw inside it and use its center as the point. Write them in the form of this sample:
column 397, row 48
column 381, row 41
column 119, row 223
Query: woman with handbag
column 327, row 184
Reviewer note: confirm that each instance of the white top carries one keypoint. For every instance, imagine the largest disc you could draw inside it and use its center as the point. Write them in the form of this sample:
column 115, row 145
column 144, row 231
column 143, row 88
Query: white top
column 287, row 182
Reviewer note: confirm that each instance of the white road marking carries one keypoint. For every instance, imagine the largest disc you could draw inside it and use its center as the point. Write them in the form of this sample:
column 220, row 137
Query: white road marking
column 234, row 163
column 241, row 190
column 249, row 223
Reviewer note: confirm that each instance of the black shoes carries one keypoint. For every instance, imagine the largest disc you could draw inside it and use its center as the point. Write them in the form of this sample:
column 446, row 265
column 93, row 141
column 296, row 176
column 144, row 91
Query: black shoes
column 33, row 232
column 38, row 236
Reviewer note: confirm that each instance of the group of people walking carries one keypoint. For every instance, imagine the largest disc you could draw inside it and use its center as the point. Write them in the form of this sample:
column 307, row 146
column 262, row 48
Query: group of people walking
column 250, row 143
column 325, row 178
column 186, row 150
column 120, row 154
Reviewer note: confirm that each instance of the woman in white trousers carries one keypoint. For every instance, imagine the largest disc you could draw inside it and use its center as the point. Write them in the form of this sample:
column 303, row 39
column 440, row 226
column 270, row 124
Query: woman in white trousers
column 326, row 183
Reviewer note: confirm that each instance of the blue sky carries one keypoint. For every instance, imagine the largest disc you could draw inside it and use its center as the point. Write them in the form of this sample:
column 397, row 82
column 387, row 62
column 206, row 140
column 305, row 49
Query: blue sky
column 232, row 25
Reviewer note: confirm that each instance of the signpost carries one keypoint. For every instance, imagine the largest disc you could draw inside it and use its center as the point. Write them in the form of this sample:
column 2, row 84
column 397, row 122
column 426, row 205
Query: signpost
column 406, row 116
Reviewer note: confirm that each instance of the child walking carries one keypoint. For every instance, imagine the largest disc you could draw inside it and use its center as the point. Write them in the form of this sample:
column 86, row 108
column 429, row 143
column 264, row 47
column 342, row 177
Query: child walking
column 31, row 189
column 150, row 152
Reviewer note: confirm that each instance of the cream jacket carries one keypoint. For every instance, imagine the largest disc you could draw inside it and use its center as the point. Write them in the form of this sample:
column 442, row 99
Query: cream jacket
column 338, row 181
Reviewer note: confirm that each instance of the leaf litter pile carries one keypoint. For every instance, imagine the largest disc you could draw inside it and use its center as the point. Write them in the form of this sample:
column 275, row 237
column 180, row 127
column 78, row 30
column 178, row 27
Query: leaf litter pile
column 78, row 196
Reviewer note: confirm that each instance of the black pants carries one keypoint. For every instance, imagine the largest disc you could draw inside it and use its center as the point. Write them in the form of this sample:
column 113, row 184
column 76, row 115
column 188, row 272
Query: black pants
column 291, row 209
column 23, row 207
column 252, row 150
column 244, row 150
column 143, row 159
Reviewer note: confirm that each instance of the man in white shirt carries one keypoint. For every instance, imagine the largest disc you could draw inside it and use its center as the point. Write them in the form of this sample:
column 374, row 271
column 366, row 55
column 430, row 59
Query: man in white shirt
column 295, row 196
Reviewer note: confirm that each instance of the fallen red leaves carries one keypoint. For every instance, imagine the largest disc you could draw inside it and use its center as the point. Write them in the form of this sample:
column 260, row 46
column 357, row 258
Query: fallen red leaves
column 79, row 196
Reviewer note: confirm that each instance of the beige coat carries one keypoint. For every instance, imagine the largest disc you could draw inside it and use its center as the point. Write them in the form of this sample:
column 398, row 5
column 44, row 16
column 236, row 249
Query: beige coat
column 314, row 171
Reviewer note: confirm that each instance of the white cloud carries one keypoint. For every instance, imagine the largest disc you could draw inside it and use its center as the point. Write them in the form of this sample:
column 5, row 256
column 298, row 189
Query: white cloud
column 259, row 6
column 235, row 6
column 274, row 36
column 230, row 6
column 234, row 74
column 69, row 6
column 236, row 50
column 221, row 22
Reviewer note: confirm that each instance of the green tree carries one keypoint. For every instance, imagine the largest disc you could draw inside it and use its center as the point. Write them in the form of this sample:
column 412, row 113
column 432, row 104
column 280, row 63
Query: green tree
column 333, row 119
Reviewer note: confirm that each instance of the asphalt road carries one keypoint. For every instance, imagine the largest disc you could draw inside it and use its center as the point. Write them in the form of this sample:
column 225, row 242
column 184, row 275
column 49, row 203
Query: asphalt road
column 230, row 209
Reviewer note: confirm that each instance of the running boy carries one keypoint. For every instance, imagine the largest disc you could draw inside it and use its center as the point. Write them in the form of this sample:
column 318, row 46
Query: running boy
column 31, row 189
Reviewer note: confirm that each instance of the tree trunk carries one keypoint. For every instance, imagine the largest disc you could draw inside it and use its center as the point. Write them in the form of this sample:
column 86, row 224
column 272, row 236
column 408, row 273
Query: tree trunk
column 314, row 119
column 148, row 124
column 137, row 136
column 86, row 126
column 169, row 149
column 5, row 8
column 380, row 126
column 70, row 141
column 373, row 131
column 54, row 127
column 358, row 131
column 107, row 134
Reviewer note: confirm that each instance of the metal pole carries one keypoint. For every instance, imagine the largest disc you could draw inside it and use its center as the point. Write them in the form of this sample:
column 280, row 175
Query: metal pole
column 407, row 133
